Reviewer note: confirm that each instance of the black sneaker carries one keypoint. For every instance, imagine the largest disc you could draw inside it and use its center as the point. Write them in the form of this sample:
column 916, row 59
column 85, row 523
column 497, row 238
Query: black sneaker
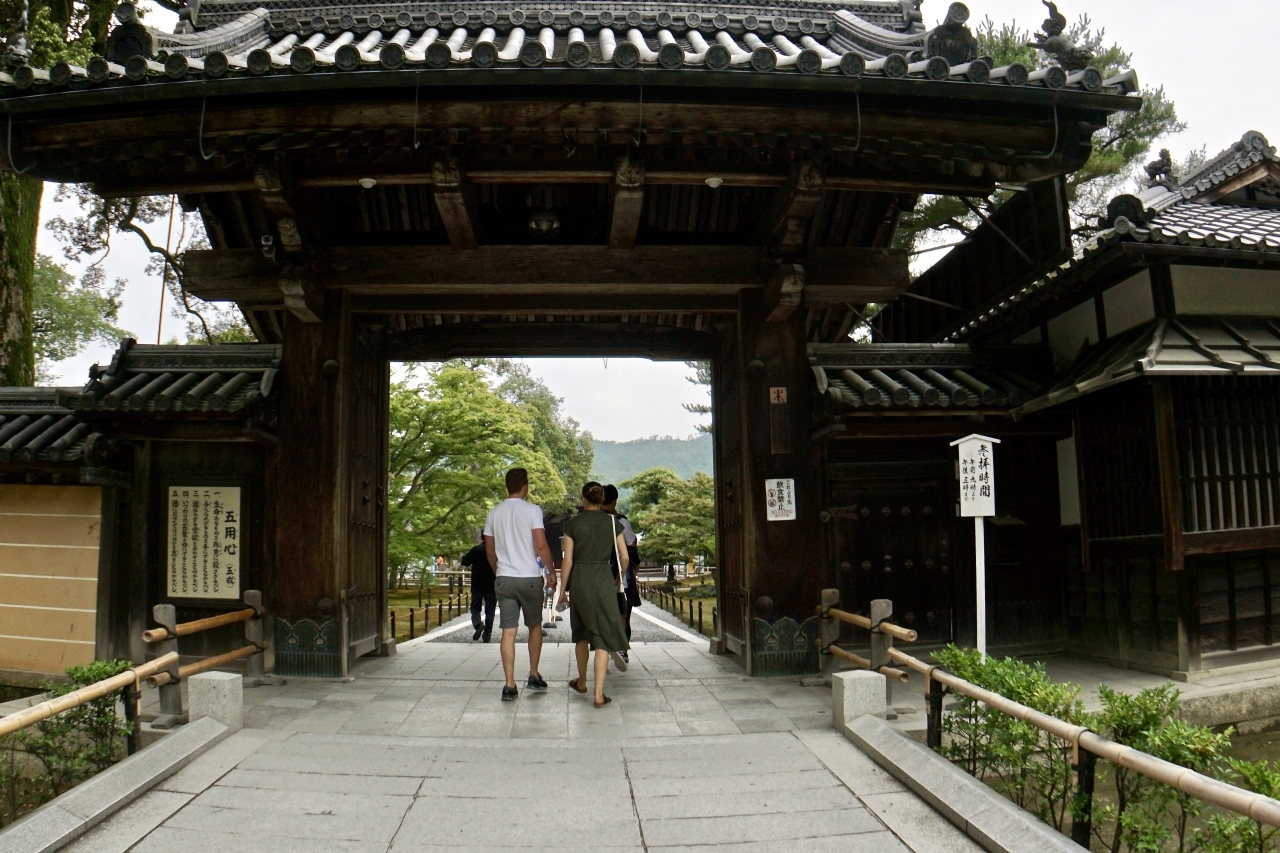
column 477, row 634
column 509, row 694
column 536, row 683
column 487, row 638
column 626, row 657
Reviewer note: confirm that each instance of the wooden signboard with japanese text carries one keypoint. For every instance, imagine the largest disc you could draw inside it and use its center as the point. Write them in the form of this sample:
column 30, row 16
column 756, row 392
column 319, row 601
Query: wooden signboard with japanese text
column 204, row 542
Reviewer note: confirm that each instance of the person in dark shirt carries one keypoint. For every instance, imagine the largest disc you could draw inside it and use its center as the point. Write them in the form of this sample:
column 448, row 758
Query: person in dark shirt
column 482, row 591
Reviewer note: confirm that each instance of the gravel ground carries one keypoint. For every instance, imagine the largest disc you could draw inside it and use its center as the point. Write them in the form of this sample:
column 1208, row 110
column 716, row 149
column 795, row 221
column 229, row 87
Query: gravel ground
column 642, row 630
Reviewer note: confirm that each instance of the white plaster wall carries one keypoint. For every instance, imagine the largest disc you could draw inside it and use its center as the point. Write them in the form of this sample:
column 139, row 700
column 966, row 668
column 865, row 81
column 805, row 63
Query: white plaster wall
column 1215, row 290
column 1068, row 331
column 1068, row 482
column 1129, row 304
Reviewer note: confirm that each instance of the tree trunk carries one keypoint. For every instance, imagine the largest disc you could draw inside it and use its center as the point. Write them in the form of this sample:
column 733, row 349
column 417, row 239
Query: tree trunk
column 19, row 221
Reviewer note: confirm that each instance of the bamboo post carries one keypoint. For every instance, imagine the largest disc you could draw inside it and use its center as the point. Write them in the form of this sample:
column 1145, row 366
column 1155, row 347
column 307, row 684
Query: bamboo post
column 410, row 623
column 828, row 630
column 439, row 613
column 1082, row 813
column 700, row 631
column 393, row 622
column 256, row 667
column 933, row 700
column 130, row 697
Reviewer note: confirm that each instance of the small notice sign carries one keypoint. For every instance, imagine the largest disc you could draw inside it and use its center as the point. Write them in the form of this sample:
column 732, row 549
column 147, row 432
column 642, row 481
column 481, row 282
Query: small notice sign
column 977, row 476
column 204, row 542
column 778, row 395
column 780, row 500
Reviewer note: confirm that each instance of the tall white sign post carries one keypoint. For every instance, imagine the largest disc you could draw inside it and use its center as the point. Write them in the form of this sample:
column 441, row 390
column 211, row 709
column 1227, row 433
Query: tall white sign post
column 977, row 501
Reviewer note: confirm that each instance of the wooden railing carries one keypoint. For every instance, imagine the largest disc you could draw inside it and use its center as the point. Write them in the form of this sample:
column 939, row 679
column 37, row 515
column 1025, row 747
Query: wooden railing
column 683, row 609
column 127, row 682
column 882, row 631
column 1086, row 746
column 445, row 608
column 168, row 678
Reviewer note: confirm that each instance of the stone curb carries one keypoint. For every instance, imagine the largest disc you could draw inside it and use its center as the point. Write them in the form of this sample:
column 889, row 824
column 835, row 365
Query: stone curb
column 62, row 820
column 981, row 813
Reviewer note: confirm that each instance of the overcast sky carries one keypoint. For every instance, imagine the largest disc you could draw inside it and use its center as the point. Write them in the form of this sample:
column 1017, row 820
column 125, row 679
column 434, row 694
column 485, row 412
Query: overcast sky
column 1214, row 60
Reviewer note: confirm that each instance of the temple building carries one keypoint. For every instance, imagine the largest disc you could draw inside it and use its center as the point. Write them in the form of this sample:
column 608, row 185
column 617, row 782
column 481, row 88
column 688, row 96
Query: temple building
column 421, row 181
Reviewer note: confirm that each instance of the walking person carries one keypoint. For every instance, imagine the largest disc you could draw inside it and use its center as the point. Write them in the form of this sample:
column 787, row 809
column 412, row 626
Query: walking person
column 514, row 540
column 482, row 594
column 629, row 598
column 590, row 539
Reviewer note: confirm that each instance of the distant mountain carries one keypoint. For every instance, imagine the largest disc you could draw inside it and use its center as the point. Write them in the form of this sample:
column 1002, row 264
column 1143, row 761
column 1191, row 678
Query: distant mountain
column 616, row 461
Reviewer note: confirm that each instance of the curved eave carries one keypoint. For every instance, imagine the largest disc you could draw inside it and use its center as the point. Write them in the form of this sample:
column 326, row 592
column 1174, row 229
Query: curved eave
column 432, row 81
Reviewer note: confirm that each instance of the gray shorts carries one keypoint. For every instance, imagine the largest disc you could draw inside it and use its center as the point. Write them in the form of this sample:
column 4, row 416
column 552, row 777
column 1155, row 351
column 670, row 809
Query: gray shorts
column 515, row 595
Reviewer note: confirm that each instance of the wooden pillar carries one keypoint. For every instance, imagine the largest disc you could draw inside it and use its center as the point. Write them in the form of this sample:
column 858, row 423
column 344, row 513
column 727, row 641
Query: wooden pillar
column 139, row 575
column 782, row 559
column 310, row 552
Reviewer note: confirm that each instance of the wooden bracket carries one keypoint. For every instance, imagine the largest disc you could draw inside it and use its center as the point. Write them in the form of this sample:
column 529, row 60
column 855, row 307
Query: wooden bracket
column 783, row 292
column 454, row 201
column 786, row 224
column 302, row 295
column 271, row 195
column 628, row 203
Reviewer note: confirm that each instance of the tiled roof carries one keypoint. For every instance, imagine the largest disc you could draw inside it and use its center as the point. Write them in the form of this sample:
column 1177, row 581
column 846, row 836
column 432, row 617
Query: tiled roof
column 1165, row 217
column 1182, row 346
column 874, row 38
column 38, row 424
column 143, row 378
column 879, row 377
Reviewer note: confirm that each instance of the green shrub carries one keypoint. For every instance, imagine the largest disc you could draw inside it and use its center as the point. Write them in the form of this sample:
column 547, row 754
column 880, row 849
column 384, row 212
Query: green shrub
column 54, row 755
column 1034, row 769
column 1016, row 758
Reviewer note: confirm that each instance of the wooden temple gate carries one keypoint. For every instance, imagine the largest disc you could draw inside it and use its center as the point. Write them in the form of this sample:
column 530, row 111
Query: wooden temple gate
column 415, row 182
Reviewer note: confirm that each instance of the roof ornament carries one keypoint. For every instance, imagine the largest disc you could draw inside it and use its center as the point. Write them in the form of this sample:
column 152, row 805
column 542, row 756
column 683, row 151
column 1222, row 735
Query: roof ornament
column 129, row 37
column 1053, row 42
column 1160, row 171
column 951, row 39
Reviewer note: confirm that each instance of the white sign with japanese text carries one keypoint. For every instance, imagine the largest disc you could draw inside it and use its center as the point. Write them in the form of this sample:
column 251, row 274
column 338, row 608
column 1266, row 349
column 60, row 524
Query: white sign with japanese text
column 204, row 542
column 977, row 476
column 780, row 500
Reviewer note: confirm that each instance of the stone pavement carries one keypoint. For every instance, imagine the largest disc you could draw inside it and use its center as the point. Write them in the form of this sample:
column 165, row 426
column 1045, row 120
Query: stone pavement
column 419, row 753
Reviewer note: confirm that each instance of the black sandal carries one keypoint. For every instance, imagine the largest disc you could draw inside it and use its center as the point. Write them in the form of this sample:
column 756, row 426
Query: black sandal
column 604, row 700
column 574, row 685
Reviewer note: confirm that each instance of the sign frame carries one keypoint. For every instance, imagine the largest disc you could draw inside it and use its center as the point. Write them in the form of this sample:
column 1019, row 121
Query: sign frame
column 973, row 477
column 780, row 499
column 246, row 537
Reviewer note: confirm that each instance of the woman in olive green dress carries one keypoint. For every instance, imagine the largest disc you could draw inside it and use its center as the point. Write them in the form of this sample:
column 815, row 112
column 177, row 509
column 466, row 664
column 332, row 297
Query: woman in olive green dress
column 590, row 538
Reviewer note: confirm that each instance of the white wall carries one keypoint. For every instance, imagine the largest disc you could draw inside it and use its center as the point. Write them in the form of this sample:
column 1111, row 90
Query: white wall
column 1129, row 304
column 1216, row 290
column 1069, row 330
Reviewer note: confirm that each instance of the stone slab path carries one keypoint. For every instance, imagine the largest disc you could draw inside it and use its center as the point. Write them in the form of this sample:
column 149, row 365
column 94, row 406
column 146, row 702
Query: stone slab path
column 418, row 753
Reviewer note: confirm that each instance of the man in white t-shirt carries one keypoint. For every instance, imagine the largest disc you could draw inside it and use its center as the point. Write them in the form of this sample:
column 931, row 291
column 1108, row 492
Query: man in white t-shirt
column 514, row 540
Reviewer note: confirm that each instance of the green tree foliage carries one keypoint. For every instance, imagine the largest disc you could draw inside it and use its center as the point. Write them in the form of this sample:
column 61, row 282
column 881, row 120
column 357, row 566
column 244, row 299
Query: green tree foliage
column 556, row 435
column 1118, row 149
column 68, row 315
column 456, row 428
column 675, row 518
column 702, row 378
column 56, row 30
column 648, row 488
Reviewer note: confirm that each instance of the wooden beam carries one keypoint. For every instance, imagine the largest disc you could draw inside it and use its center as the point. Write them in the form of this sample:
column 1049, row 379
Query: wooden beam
column 457, row 209
column 457, row 340
column 628, row 204
column 782, row 292
column 1170, row 483
column 1226, row 541
column 602, row 302
column 786, row 224
column 860, row 274
column 271, row 195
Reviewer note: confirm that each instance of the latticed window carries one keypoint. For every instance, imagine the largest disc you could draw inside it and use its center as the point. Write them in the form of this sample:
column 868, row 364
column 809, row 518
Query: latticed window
column 1229, row 452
